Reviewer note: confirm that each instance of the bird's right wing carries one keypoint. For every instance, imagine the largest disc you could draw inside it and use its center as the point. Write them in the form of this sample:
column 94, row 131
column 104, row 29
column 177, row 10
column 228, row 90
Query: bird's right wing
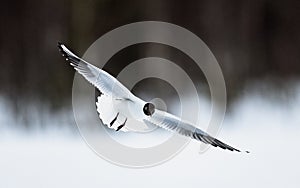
column 103, row 81
column 172, row 123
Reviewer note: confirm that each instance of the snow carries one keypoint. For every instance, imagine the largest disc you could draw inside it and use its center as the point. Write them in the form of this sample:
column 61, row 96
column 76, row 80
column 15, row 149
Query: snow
column 58, row 158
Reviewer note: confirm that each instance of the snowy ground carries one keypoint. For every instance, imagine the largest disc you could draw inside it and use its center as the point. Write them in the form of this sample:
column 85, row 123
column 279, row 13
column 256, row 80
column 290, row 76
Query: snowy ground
column 269, row 130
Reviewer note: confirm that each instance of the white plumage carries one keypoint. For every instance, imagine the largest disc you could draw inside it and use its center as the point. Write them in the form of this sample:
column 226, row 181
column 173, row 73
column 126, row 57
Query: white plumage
column 117, row 106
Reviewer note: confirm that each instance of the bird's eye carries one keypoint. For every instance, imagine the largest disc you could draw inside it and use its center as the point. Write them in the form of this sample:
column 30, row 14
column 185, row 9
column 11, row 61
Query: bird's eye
column 149, row 109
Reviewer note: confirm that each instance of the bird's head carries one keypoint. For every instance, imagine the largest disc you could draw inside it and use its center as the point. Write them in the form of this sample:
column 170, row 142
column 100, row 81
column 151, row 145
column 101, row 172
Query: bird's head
column 149, row 109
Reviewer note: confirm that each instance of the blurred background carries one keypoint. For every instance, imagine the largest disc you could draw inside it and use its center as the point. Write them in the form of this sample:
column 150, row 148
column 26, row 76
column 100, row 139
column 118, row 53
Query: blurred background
column 255, row 42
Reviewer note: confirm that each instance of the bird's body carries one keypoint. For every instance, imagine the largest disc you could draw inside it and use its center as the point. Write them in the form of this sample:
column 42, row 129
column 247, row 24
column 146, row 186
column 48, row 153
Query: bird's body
column 117, row 106
column 114, row 112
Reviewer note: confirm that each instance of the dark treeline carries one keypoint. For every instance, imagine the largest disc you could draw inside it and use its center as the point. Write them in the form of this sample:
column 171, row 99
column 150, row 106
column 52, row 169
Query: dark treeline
column 251, row 39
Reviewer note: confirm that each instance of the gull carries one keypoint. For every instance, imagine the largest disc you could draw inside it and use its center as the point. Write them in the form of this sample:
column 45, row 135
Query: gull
column 116, row 105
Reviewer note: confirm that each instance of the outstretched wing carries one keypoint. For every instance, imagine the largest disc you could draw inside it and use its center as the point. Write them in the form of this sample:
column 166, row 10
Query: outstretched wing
column 173, row 123
column 106, row 83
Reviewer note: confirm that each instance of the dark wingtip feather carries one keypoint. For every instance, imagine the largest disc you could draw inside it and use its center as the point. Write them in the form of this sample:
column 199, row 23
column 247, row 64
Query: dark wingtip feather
column 61, row 50
column 59, row 45
column 68, row 54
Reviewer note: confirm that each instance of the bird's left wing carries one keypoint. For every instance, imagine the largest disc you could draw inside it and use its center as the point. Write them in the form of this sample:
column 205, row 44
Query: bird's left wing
column 103, row 81
column 173, row 123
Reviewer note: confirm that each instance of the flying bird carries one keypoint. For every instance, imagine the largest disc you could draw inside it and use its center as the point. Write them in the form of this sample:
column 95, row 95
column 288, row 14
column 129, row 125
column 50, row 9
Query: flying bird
column 116, row 104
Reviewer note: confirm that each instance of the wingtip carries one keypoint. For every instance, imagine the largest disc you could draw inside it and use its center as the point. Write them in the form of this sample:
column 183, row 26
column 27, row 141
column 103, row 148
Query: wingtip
column 59, row 43
column 242, row 151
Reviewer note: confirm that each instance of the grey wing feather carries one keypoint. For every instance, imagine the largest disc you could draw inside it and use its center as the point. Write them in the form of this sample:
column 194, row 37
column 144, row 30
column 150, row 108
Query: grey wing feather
column 106, row 83
column 173, row 123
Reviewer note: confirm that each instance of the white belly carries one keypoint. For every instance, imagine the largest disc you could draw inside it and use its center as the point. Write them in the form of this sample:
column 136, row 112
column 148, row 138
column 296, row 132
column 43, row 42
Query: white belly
column 116, row 113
